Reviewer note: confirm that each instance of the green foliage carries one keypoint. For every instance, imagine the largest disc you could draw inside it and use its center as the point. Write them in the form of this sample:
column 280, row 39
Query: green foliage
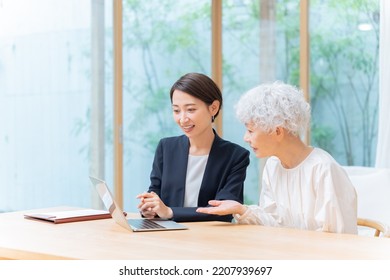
column 163, row 44
column 156, row 38
column 323, row 136
column 344, row 81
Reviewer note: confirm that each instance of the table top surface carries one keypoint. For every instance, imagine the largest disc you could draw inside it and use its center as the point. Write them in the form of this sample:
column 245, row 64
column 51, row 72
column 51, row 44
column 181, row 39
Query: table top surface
column 21, row 238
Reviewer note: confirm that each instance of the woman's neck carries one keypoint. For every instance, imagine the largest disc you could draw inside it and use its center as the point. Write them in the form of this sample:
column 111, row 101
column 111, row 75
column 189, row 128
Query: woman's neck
column 201, row 145
column 293, row 152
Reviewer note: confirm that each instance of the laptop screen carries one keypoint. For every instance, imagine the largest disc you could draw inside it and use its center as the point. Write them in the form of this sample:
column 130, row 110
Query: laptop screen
column 109, row 202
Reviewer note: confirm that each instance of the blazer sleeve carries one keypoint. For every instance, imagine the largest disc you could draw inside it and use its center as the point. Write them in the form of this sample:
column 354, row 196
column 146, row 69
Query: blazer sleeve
column 233, row 185
column 157, row 170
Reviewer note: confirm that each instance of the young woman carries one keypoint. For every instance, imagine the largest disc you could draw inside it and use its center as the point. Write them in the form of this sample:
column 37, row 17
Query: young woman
column 302, row 187
column 199, row 166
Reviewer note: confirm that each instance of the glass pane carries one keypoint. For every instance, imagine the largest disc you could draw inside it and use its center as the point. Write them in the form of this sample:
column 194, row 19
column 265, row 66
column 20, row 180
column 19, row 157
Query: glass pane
column 260, row 44
column 344, row 46
column 162, row 40
column 45, row 103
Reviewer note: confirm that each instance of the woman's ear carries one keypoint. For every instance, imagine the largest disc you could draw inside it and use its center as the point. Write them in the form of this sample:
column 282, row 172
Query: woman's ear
column 214, row 107
column 279, row 132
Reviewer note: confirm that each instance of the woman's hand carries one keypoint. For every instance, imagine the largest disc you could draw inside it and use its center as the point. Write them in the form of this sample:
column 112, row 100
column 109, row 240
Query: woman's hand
column 223, row 207
column 151, row 205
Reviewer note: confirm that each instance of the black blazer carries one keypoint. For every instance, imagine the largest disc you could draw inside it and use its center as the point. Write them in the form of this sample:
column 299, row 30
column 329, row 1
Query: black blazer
column 223, row 178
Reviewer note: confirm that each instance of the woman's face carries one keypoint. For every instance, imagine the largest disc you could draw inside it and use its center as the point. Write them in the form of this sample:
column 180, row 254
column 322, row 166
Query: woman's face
column 191, row 114
column 262, row 143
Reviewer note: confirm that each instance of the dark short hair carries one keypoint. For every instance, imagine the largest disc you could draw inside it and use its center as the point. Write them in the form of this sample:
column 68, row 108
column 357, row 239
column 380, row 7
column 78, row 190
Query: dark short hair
column 199, row 86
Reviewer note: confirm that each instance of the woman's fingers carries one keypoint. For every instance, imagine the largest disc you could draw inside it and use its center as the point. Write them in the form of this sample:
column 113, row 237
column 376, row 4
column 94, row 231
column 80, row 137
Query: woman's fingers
column 215, row 202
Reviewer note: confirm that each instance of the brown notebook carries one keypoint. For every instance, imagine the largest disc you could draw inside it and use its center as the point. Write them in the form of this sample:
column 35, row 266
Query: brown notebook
column 69, row 216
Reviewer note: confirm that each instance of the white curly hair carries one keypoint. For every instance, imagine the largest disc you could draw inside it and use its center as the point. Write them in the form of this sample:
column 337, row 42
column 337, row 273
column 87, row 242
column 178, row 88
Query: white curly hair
column 273, row 105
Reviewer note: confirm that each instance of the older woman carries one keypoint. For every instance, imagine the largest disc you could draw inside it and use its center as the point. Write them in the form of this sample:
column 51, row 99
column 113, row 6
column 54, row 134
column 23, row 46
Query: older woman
column 302, row 186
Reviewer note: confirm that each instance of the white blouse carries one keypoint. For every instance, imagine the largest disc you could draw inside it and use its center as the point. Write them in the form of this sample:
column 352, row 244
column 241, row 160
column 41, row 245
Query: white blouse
column 315, row 195
column 195, row 171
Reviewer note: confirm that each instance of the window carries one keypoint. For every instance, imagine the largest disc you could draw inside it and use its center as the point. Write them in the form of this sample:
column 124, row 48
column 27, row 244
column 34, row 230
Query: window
column 45, row 103
column 344, row 46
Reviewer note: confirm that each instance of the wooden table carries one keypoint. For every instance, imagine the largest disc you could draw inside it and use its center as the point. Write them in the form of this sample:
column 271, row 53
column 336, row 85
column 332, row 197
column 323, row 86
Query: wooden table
column 104, row 239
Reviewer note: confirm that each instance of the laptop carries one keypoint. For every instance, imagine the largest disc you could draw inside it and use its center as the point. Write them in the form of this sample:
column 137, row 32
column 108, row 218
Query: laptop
column 118, row 215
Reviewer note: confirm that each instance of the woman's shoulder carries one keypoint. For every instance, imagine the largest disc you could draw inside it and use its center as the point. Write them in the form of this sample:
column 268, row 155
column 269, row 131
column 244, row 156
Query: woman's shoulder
column 173, row 144
column 329, row 173
column 173, row 140
column 323, row 163
column 228, row 146
column 320, row 156
column 317, row 159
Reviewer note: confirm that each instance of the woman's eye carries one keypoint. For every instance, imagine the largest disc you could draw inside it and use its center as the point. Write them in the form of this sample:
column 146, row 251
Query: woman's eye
column 191, row 110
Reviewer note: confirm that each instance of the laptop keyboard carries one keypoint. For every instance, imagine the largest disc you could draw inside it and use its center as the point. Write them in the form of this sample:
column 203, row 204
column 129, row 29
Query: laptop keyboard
column 144, row 224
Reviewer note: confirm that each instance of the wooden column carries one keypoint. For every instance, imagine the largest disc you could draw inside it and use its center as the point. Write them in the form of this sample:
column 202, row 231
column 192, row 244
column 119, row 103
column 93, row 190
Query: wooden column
column 304, row 68
column 216, row 54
